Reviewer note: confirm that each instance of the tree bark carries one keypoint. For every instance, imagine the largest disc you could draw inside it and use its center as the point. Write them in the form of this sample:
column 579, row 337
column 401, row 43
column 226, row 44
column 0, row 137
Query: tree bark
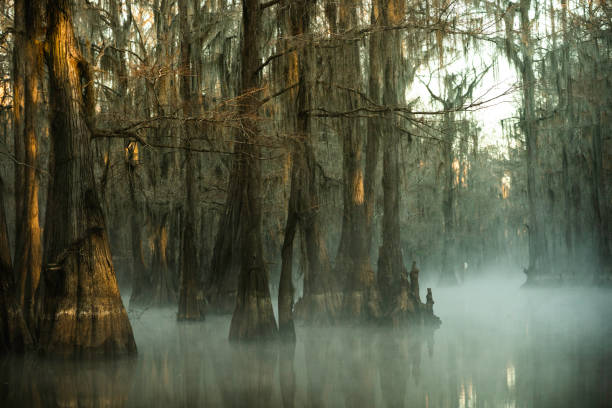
column 320, row 302
column 82, row 311
column 28, row 251
column 391, row 269
column 163, row 284
column 361, row 298
column 191, row 296
column 374, row 123
column 537, row 243
column 141, row 280
column 253, row 316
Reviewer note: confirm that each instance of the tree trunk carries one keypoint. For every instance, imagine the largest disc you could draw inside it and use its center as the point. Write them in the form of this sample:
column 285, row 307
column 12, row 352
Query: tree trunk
column 14, row 333
column 28, row 251
column 285, row 286
column 18, row 76
column 141, row 280
column 320, row 302
column 375, row 86
column 253, row 316
column 537, row 244
column 361, row 299
column 164, row 288
column 391, row 270
column 225, row 266
column 82, row 311
column 191, row 296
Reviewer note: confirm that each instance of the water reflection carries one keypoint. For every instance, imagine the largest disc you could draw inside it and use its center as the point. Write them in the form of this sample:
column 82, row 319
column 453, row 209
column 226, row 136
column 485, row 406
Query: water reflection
column 482, row 356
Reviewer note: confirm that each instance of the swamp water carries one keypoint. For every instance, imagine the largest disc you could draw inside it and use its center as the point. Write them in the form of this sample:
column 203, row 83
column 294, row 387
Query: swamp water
column 498, row 346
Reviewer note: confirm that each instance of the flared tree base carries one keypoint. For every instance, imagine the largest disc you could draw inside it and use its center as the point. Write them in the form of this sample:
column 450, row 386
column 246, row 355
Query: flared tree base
column 253, row 319
column 90, row 330
column 82, row 313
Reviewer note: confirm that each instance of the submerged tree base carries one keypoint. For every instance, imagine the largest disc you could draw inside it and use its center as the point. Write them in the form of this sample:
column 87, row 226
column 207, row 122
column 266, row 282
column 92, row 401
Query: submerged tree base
column 253, row 318
column 83, row 314
column 192, row 306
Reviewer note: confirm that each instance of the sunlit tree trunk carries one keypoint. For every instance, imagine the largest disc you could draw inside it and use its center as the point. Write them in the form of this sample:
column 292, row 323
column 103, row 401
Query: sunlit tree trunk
column 82, row 311
column 28, row 251
column 253, row 316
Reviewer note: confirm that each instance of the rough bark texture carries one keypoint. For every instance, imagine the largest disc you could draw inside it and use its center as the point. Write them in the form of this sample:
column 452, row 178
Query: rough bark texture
column 253, row 316
column 82, row 311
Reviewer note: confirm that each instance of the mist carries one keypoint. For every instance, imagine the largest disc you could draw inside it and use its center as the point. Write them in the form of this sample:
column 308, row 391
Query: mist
column 305, row 203
column 498, row 346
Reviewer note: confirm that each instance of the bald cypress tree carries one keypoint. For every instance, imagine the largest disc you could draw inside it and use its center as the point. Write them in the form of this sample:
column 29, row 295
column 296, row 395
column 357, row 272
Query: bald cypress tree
column 253, row 316
column 82, row 311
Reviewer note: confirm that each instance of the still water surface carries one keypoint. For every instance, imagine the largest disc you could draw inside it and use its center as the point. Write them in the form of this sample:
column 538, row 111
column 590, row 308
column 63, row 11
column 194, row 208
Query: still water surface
column 498, row 346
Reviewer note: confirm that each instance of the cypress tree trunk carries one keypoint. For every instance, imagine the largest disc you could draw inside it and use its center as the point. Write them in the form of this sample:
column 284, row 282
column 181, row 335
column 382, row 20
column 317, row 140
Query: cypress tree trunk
column 225, row 265
column 285, row 286
column 14, row 334
column 141, row 282
column 319, row 303
column 82, row 311
column 361, row 299
column 191, row 296
column 374, row 123
column 253, row 316
column 537, row 243
column 28, row 251
column 162, row 282
column 391, row 271
column 399, row 297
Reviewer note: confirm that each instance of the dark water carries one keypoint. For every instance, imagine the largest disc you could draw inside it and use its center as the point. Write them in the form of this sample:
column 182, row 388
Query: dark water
column 498, row 346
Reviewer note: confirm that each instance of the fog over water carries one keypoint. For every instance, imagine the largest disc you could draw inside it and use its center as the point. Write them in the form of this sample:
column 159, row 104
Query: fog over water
column 498, row 346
